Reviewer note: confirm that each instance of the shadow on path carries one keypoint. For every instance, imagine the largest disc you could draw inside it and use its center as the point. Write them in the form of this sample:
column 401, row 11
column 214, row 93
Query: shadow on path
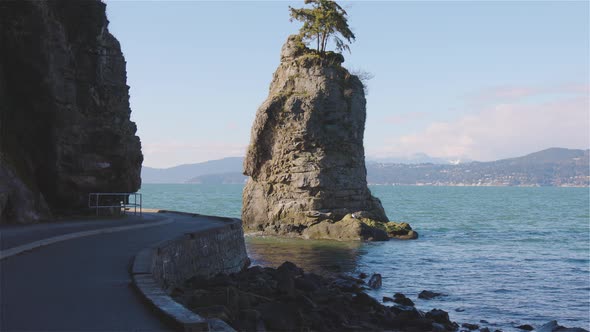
column 84, row 284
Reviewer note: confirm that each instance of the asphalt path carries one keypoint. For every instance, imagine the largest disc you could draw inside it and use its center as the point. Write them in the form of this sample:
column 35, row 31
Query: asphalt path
column 15, row 235
column 84, row 284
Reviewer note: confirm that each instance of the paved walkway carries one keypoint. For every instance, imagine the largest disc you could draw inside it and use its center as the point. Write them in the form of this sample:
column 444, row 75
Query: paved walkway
column 82, row 284
column 15, row 235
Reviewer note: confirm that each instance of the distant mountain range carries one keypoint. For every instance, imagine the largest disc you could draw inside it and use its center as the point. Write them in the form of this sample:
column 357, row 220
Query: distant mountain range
column 183, row 173
column 550, row 167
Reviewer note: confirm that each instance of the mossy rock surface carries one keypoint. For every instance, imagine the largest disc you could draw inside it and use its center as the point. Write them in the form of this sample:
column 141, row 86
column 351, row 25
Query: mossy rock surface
column 398, row 230
column 347, row 229
column 353, row 228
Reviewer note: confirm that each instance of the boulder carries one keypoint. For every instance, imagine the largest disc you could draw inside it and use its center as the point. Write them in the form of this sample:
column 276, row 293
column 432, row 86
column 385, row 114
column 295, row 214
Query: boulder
column 427, row 295
column 290, row 269
column 365, row 302
column 436, row 327
column 442, row 317
column 439, row 316
column 550, row 326
column 249, row 320
column 553, row 326
column 400, row 298
column 470, row 326
column 407, row 313
column 347, row 229
column 279, row 316
column 306, row 284
column 420, row 324
column 375, row 281
column 347, row 284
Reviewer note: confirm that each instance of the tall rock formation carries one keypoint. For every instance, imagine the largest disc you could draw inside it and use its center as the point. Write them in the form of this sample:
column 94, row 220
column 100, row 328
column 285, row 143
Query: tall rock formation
column 65, row 126
column 306, row 158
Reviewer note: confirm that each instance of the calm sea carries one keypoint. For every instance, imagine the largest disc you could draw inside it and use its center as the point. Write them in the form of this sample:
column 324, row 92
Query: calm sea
column 505, row 255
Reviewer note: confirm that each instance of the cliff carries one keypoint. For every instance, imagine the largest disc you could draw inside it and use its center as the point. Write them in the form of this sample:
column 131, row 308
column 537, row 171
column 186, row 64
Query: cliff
column 65, row 126
column 306, row 158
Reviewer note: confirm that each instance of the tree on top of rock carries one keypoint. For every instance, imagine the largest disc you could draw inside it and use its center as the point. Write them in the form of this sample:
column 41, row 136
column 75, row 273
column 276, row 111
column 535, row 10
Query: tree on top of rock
column 325, row 20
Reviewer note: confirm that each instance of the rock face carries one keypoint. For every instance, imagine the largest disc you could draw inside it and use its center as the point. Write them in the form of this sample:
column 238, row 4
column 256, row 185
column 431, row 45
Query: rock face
column 65, row 126
column 306, row 158
column 290, row 299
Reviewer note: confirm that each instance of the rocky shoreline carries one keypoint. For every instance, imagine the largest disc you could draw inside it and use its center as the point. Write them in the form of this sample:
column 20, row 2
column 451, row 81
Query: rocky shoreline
column 350, row 229
column 289, row 299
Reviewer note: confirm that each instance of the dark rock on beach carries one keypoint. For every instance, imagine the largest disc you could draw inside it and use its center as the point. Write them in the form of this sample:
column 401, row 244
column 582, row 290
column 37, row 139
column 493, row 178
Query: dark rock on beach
column 553, row 326
column 375, row 281
column 290, row 299
column 525, row 327
column 402, row 299
column 470, row 327
column 427, row 295
column 348, row 283
column 442, row 317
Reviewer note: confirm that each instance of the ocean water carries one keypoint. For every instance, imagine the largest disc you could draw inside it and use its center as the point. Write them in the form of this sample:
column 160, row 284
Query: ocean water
column 505, row 255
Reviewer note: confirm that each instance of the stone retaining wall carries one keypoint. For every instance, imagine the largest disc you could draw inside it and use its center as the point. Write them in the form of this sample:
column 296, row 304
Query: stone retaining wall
column 205, row 253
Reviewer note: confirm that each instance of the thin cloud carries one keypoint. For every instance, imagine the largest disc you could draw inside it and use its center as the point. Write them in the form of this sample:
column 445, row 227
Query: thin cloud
column 502, row 94
column 403, row 118
column 503, row 129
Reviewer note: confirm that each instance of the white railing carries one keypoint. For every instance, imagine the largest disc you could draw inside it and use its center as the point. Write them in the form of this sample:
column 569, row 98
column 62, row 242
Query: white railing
column 123, row 201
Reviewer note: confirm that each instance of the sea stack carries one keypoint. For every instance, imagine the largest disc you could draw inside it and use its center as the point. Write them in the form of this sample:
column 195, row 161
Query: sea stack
column 305, row 161
column 65, row 127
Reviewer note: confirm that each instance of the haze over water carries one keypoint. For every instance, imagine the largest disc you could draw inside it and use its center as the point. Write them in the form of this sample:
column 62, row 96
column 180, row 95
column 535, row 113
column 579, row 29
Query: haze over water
column 506, row 255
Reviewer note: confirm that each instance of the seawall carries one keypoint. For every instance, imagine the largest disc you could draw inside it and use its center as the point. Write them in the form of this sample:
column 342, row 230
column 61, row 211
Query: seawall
column 217, row 247
column 205, row 253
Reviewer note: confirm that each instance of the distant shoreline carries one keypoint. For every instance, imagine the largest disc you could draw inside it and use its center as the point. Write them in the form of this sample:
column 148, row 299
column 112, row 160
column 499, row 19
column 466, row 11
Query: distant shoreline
column 556, row 167
column 403, row 185
column 479, row 185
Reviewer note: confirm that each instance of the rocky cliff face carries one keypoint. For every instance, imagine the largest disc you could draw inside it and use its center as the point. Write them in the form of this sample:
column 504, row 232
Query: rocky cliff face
column 306, row 158
column 65, row 126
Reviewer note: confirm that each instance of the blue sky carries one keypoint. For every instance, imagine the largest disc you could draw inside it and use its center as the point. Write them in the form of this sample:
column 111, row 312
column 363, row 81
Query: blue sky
column 476, row 80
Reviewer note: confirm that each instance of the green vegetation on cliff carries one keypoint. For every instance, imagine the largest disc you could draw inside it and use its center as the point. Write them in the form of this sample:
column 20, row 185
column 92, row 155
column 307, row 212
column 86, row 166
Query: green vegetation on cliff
column 325, row 20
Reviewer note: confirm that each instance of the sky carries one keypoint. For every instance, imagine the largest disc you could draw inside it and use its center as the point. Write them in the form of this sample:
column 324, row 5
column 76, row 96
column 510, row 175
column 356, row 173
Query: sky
column 478, row 80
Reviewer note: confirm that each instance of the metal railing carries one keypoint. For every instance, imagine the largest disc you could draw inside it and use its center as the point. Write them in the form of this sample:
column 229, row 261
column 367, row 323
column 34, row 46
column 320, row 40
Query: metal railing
column 115, row 200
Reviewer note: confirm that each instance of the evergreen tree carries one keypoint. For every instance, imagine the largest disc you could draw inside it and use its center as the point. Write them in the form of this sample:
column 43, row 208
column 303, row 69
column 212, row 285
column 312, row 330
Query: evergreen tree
column 325, row 20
